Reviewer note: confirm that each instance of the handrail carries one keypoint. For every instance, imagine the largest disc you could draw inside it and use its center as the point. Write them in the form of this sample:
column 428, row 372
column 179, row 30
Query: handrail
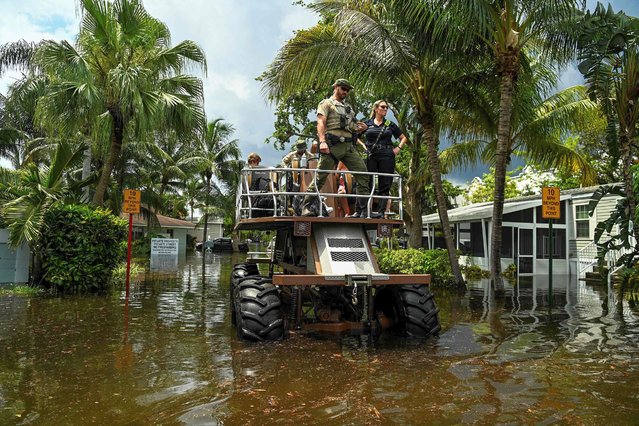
column 591, row 250
column 245, row 197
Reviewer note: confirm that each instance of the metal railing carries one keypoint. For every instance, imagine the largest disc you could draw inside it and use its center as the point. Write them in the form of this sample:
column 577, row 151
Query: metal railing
column 247, row 200
column 587, row 256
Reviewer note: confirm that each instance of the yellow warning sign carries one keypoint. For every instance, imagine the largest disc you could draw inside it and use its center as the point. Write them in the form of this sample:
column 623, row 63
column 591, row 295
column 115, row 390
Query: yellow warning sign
column 131, row 201
column 550, row 205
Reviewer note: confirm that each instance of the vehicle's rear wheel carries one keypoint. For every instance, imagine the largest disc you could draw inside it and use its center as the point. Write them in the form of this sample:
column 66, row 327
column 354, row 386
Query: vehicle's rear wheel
column 259, row 310
column 411, row 308
column 240, row 271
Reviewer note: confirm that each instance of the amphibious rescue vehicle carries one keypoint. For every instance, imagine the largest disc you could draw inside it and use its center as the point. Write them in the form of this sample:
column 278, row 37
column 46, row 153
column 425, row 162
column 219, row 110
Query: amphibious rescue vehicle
column 322, row 274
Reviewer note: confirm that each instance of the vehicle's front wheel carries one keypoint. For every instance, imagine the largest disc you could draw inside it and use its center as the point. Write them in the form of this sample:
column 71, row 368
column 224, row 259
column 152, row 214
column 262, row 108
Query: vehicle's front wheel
column 240, row 271
column 411, row 308
column 259, row 310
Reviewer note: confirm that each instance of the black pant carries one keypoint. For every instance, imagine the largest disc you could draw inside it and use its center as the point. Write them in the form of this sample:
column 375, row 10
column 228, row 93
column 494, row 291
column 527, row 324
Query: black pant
column 382, row 161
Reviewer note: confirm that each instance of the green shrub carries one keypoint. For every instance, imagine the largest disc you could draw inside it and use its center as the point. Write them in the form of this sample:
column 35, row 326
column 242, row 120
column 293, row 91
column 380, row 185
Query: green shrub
column 510, row 272
column 417, row 261
column 629, row 279
column 141, row 248
column 474, row 272
column 81, row 246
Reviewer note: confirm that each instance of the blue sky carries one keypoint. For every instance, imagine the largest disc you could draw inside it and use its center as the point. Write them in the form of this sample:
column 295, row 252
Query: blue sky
column 240, row 38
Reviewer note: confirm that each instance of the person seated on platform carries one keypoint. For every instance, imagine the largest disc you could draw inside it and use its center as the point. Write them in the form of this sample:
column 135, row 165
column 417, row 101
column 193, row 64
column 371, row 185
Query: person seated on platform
column 297, row 159
column 259, row 181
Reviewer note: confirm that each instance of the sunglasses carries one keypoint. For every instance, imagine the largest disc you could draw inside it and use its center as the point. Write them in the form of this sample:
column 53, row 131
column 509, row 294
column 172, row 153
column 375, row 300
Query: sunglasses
column 383, row 106
column 346, row 89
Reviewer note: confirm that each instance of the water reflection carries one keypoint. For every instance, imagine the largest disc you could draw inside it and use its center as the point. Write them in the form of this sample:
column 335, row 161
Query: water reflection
column 170, row 356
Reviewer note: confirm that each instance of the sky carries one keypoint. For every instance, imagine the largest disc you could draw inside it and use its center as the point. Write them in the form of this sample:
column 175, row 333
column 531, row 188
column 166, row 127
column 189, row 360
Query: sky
column 240, row 38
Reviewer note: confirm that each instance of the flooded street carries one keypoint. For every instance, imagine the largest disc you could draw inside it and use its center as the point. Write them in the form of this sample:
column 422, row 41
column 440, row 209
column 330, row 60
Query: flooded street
column 171, row 357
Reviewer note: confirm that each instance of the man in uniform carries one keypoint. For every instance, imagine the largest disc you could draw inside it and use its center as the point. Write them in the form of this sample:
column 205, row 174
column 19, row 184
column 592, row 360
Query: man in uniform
column 294, row 158
column 337, row 129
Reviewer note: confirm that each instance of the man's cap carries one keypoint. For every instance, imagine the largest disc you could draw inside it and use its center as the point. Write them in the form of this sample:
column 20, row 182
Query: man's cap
column 300, row 144
column 342, row 82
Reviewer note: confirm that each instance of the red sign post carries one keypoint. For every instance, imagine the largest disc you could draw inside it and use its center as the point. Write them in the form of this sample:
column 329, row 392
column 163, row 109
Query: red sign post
column 550, row 209
column 131, row 206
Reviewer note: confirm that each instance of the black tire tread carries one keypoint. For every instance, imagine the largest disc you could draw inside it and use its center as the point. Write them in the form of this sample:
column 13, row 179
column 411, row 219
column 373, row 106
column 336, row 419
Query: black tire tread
column 420, row 315
column 258, row 310
column 240, row 271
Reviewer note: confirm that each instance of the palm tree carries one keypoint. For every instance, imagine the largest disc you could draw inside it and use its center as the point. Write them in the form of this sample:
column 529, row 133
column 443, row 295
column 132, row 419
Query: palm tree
column 381, row 49
column 539, row 127
column 507, row 31
column 610, row 63
column 216, row 154
column 122, row 78
column 192, row 190
column 166, row 159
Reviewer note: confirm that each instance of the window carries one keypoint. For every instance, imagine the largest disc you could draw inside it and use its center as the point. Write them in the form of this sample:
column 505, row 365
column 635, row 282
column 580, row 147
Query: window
column 507, row 242
column 465, row 238
column 476, row 240
column 558, row 242
column 582, row 221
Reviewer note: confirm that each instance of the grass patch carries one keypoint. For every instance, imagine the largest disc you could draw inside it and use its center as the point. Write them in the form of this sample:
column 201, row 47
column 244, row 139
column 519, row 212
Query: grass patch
column 22, row 290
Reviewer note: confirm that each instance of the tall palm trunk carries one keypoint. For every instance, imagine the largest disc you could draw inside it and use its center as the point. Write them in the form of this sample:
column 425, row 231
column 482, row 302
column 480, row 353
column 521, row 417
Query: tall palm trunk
column 206, row 222
column 501, row 162
column 427, row 121
column 86, row 171
column 117, row 137
column 414, row 199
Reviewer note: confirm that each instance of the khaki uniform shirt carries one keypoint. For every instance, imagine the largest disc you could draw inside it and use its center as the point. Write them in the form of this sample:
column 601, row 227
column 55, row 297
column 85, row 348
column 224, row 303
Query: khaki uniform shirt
column 293, row 160
column 330, row 108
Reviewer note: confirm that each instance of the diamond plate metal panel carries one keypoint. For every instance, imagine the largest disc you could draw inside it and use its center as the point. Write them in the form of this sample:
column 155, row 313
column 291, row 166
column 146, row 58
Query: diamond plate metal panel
column 343, row 249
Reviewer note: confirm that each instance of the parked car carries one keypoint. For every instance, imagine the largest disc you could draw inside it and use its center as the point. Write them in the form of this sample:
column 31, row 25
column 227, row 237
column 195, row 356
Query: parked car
column 221, row 244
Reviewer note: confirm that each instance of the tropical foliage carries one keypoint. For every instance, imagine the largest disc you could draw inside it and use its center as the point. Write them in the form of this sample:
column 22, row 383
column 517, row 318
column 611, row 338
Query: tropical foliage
column 113, row 110
column 609, row 57
column 81, row 246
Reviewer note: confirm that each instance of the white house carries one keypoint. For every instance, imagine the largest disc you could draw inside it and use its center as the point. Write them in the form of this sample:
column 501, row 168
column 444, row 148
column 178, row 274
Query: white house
column 525, row 234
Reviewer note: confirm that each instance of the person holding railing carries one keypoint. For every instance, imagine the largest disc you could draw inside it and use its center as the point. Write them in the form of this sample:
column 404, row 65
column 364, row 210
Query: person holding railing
column 381, row 151
column 336, row 129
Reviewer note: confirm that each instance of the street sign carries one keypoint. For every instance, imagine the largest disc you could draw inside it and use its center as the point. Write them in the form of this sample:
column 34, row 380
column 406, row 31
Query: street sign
column 131, row 201
column 550, row 205
column 164, row 254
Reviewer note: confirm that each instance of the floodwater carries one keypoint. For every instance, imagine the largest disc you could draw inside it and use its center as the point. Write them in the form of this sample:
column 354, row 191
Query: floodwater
column 170, row 356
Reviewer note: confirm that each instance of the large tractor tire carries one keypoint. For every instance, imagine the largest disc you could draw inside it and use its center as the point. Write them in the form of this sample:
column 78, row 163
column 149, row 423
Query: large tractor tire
column 412, row 309
column 259, row 310
column 240, row 271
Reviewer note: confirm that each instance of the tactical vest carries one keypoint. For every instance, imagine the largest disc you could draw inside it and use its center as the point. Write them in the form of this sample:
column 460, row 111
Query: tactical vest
column 341, row 118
